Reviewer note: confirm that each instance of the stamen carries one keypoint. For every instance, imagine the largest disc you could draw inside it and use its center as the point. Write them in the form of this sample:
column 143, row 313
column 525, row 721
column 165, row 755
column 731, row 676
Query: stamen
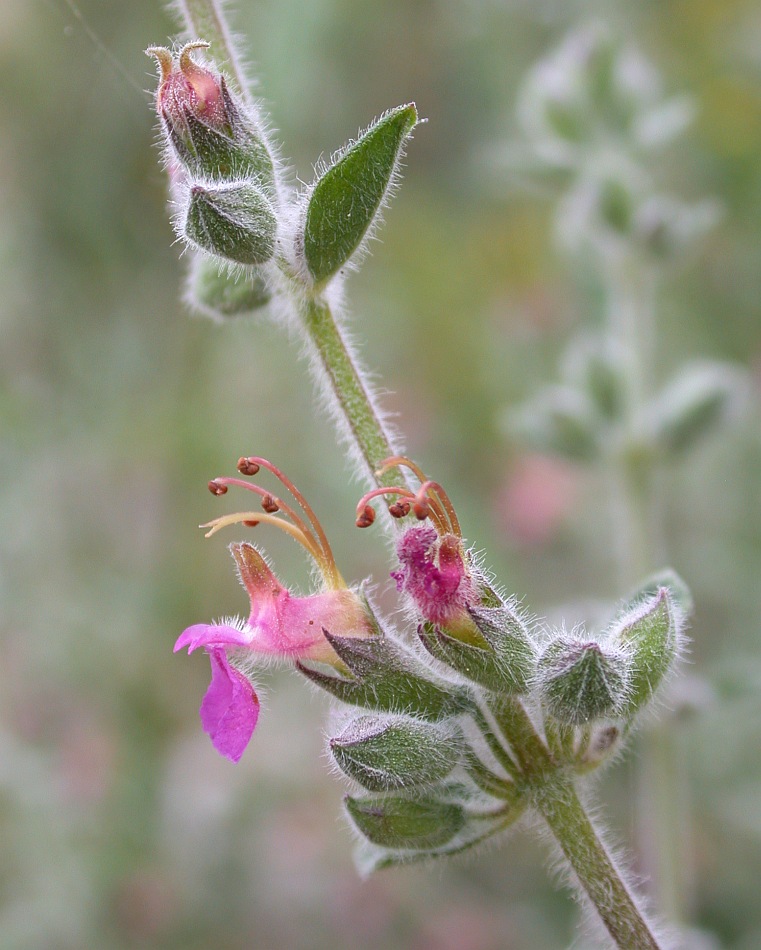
column 244, row 517
column 400, row 461
column 304, row 504
column 247, row 466
column 431, row 501
column 430, row 486
column 421, row 509
column 399, row 509
column 265, row 495
column 366, row 518
column 310, row 535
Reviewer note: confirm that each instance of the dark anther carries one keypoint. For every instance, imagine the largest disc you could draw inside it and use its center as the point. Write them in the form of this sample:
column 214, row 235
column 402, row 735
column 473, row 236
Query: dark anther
column 250, row 524
column 247, row 466
column 421, row 510
column 366, row 518
column 399, row 509
column 216, row 488
column 270, row 505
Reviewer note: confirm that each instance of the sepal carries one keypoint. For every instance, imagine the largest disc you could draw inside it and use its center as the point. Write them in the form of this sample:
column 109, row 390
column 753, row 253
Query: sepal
column 396, row 822
column 500, row 658
column 215, row 292
column 385, row 679
column 386, row 754
column 651, row 632
column 347, row 197
column 235, row 222
column 581, row 681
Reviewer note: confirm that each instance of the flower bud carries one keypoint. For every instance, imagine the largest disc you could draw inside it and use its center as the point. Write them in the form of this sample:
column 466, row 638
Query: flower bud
column 216, row 293
column 235, row 222
column 388, row 754
column 581, row 681
column 212, row 133
column 651, row 633
column 396, row 822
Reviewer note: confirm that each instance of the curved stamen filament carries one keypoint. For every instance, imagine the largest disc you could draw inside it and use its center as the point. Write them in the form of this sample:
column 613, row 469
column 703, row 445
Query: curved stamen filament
column 436, row 513
column 306, row 541
column 303, row 503
column 400, row 461
column 430, row 486
column 283, row 506
column 445, row 517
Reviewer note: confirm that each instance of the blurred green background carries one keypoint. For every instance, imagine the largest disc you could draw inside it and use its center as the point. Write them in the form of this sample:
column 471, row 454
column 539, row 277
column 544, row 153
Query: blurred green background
column 119, row 824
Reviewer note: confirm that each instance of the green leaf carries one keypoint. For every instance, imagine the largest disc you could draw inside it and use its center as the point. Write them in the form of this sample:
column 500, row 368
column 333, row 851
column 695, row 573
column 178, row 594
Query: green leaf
column 348, row 196
column 235, row 222
column 396, row 822
column 560, row 421
column 389, row 754
column 216, row 293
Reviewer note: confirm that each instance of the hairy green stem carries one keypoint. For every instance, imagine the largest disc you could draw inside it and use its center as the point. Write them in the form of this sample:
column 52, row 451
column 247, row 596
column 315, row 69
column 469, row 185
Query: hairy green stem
column 335, row 367
column 594, row 868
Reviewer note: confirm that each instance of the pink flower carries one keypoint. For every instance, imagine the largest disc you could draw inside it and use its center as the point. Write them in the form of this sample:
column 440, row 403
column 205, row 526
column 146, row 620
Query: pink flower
column 279, row 624
column 434, row 574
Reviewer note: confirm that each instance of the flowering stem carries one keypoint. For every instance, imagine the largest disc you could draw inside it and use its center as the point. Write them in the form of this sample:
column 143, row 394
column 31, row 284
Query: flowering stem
column 529, row 763
column 593, row 866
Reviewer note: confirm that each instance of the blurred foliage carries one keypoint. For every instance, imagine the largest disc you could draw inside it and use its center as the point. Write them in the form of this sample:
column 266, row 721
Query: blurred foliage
column 120, row 825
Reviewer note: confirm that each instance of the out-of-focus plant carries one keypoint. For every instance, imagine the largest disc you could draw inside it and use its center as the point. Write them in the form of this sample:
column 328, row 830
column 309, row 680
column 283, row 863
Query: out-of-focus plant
column 593, row 117
column 479, row 715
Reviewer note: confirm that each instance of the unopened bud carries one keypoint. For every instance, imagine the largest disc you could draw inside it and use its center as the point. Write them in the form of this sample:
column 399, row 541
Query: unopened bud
column 214, row 292
column 392, row 753
column 396, row 822
column 212, row 133
column 651, row 633
column 581, row 681
column 235, row 222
